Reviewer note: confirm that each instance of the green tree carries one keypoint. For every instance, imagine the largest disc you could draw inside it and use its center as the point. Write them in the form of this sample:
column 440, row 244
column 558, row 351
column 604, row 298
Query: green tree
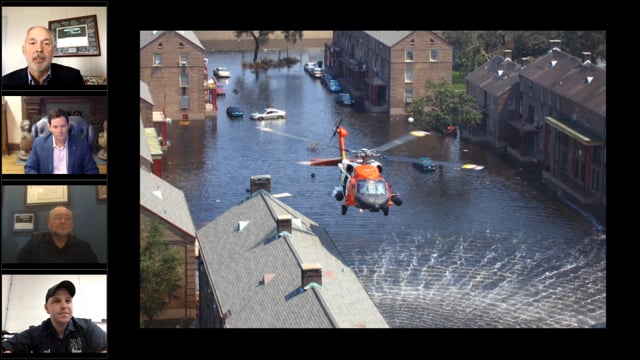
column 444, row 106
column 160, row 271
column 292, row 36
column 260, row 38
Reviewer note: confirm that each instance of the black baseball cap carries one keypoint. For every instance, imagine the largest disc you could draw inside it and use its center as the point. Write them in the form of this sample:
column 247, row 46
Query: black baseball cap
column 65, row 284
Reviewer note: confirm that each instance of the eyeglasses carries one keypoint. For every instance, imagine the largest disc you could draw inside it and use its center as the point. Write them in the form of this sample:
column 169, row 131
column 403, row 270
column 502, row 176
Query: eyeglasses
column 59, row 218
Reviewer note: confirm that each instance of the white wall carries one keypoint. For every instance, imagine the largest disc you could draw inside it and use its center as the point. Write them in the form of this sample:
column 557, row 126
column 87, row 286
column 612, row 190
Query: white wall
column 19, row 19
column 23, row 298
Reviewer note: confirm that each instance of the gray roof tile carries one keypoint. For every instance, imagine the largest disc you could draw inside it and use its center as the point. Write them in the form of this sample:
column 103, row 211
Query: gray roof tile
column 237, row 262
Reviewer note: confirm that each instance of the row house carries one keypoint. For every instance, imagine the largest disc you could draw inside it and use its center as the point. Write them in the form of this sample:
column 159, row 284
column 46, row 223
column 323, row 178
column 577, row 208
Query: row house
column 263, row 264
column 551, row 111
column 173, row 65
column 386, row 70
column 495, row 86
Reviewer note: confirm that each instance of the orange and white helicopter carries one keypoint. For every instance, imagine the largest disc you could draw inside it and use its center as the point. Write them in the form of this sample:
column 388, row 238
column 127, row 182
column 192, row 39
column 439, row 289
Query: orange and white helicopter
column 362, row 185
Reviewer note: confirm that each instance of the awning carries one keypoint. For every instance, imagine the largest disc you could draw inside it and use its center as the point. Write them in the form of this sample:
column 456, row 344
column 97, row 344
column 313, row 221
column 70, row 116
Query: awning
column 575, row 134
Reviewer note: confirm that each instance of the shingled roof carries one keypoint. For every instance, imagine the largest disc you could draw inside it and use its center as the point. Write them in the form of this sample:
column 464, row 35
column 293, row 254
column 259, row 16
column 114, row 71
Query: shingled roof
column 165, row 201
column 569, row 76
column 496, row 76
column 256, row 271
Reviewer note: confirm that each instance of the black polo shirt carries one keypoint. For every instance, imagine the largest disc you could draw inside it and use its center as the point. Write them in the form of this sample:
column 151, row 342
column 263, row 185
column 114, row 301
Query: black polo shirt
column 41, row 249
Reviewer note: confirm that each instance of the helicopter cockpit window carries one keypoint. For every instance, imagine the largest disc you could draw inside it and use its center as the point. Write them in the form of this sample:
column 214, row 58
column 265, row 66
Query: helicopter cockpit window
column 372, row 187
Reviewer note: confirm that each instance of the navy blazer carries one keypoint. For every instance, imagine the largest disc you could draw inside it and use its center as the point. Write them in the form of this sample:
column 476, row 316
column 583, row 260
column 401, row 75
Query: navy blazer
column 62, row 77
column 79, row 159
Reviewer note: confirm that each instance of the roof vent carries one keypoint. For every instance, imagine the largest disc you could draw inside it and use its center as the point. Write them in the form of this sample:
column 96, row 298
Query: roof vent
column 266, row 278
column 588, row 79
column 311, row 273
column 241, row 225
column 500, row 73
column 553, row 63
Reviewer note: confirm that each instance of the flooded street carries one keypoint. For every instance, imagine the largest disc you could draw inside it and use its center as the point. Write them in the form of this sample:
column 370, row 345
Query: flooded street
column 467, row 249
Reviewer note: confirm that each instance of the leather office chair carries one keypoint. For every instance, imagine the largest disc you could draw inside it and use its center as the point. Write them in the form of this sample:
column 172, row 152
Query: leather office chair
column 77, row 126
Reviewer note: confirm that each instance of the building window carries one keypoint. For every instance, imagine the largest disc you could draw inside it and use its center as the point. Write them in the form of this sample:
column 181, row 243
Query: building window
column 157, row 59
column 408, row 55
column 595, row 181
column 511, row 104
column 184, row 59
column 184, row 80
column 408, row 76
column 435, row 55
column 408, row 96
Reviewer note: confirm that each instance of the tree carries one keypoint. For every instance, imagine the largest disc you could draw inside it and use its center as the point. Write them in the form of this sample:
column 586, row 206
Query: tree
column 261, row 38
column 159, row 270
column 292, row 36
column 444, row 106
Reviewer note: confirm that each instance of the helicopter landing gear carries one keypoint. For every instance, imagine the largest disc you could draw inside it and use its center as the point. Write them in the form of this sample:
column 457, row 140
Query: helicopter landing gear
column 339, row 196
column 396, row 200
column 344, row 209
column 385, row 211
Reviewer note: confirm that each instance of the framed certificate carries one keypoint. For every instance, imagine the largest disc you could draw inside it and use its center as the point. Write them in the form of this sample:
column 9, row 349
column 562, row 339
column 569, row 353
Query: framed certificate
column 46, row 195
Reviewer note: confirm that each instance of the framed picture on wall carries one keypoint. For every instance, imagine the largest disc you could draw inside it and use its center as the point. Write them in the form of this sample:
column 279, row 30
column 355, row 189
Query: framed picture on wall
column 76, row 36
column 46, row 195
column 101, row 192
column 24, row 221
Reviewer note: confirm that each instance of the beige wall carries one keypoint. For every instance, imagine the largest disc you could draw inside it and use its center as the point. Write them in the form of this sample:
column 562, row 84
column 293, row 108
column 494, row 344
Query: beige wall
column 19, row 19
column 14, row 117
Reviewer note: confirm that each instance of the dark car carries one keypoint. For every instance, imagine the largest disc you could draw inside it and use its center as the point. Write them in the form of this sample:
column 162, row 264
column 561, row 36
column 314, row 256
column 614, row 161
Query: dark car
column 424, row 164
column 235, row 111
column 345, row 99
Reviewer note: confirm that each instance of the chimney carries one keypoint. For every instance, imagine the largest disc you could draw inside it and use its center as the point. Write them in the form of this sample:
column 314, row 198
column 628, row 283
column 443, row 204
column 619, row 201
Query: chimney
column 284, row 223
column 554, row 44
column 311, row 273
column 586, row 56
column 260, row 182
column 507, row 54
column 525, row 61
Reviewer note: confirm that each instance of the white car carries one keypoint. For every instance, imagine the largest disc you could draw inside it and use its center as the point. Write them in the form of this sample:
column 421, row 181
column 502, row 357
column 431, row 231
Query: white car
column 221, row 72
column 268, row 114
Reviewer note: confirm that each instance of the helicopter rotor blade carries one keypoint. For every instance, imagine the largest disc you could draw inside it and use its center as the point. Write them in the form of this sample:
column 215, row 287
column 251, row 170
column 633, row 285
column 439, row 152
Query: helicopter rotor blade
column 401, row 140
column 335, row 128
column 441, row 163
column 323, row 162
column 284, row 134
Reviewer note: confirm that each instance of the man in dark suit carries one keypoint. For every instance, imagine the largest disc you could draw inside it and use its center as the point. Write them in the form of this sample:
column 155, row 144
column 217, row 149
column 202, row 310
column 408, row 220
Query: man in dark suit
column 41, row 71
column 60, row 152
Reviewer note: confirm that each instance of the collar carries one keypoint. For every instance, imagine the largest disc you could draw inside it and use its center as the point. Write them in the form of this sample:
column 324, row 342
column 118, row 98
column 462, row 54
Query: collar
column 66, row 142
column 44, row 82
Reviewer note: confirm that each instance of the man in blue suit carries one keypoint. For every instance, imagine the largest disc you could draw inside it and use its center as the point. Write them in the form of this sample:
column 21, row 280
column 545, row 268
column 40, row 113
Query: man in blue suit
column 60, row 152
column 41, row 71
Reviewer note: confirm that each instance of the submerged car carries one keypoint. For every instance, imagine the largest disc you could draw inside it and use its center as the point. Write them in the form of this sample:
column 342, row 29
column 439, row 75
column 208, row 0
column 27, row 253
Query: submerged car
column 268, row 114
column 424, row 164
column 334, row 85
column 234, row 111
column 221, row 72
column 345, row 99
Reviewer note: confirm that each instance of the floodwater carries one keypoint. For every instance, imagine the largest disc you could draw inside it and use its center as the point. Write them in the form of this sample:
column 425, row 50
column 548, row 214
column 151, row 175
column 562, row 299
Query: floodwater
column 467, row 249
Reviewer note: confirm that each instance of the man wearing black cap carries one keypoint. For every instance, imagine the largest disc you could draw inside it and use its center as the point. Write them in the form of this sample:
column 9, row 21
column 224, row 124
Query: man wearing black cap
column 62, row 332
